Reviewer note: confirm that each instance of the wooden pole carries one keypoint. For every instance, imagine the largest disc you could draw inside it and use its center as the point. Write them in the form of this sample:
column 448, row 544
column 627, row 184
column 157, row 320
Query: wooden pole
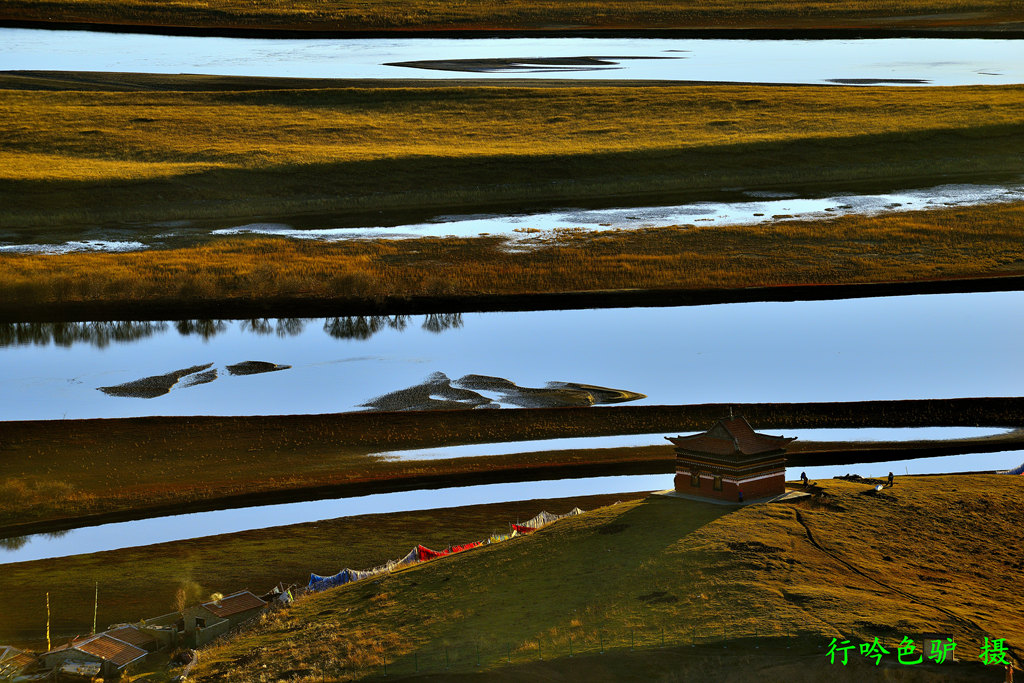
column 48, row 648
column 95, row 606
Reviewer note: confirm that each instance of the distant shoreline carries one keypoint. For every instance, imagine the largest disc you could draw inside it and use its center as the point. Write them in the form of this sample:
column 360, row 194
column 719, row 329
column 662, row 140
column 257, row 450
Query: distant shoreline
column 824, row 31
column 226, row 309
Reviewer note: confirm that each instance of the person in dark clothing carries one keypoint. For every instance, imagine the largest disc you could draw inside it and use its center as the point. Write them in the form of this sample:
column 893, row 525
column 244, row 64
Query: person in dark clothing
column 890, row 479
column 803, row 478
column 741, row 495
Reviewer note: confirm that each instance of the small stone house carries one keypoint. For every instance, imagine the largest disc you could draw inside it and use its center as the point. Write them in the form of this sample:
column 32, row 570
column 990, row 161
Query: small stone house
column 113, row 655
column 205, row 622
column 140, row 637
column 13, row 661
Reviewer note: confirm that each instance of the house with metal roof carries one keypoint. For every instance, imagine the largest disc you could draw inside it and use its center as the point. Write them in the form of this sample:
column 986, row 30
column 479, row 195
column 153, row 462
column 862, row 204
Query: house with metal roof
column 730, row 462
column 205, row 622
column 113, row 655
column 14, row 661
column 140, row 637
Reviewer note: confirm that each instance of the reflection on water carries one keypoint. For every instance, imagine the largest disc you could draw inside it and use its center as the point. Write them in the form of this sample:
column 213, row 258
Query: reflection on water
column 101, row 334
column 15, row 543
column 886, row 348
column 924, row 61
column 206, row 329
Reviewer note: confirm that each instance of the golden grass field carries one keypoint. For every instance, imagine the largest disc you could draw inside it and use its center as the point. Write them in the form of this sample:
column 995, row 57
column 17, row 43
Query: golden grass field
column 947, row 243
column 546, row 14
column 74, row 157
column 926, row 559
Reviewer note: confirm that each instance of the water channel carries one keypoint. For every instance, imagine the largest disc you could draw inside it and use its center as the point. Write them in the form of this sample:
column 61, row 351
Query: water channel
column 918, row 61
column 525, row 228
column 181, row 527
column 862, row 434
column 926, row 346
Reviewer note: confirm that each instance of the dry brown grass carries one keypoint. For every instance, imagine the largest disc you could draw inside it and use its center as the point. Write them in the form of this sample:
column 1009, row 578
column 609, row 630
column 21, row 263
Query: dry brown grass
column 144, row 582
column 943, row 243
column 436, row 14
column 63, row 469
column 924, row 559
column 71, row 157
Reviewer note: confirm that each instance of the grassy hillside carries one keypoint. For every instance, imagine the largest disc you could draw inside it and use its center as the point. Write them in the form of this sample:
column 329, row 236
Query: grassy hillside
column 925, row 559
column 147, row 581
column 434, row 14
column 71, row 157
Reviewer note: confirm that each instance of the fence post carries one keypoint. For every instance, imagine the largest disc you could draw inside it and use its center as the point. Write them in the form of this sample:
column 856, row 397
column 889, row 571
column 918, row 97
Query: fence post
column 600, row 634
column 540, row 652
column 385, row 663
column 478, row 653
column 508, row 647
column 570, row 646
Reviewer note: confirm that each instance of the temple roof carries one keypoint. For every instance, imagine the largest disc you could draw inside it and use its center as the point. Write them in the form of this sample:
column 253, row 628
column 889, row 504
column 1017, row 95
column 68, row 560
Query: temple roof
column 732, row 437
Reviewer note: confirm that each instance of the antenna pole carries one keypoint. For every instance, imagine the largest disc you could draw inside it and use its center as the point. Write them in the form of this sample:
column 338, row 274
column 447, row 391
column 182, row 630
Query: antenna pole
column 95, row 606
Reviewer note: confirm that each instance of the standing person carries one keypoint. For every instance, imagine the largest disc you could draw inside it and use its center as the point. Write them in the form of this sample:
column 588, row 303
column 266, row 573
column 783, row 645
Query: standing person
column 803, row 478
column 890, row 479
column 741, row 495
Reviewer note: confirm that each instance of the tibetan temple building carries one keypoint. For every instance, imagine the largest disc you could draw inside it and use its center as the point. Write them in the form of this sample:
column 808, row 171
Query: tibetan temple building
column 731, row 462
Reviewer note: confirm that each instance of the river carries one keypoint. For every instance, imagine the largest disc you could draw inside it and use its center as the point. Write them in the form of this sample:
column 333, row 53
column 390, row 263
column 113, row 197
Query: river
column 897, row 61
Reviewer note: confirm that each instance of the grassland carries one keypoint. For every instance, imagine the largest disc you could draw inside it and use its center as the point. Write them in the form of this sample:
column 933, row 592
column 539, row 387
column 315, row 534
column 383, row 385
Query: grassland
column 60, row 474
column 145, row 581
column 247, row 277
column 356, row 15
column 75, row 158
column 96, row 157
column 925, row 559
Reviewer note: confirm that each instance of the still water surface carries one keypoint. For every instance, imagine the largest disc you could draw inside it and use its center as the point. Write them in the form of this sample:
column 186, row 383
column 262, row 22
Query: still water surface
column 658, row 439
column 926, row 346
column 918, row 61
column 181, row 527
